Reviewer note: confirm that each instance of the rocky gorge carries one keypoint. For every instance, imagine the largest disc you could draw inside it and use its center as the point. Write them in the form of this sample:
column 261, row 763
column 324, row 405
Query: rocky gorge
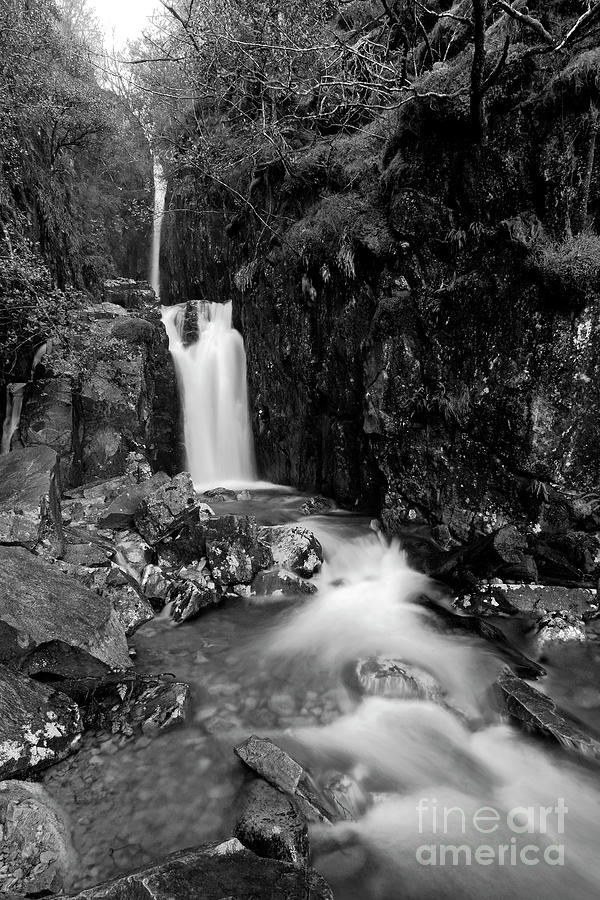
column 217, row 686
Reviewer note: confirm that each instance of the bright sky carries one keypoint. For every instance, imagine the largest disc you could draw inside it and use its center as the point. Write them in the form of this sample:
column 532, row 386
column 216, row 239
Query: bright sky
column 125, row 18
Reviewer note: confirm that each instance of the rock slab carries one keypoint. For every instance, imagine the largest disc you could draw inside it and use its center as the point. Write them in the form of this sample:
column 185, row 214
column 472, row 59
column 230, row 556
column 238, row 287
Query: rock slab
column 39, row 599
column 30, row 497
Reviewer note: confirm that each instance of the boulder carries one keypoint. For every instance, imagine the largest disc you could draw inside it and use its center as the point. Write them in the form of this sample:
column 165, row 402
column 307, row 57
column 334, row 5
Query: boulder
column 166, row 508
column 30, row 498
column 132, row 553
column 536, row 712
column 155, row 586
column 47, row 419
column 36, row 853
column 280, row 583
column 269, row 824
column 215, row 872
column 234, row 552
column 293, row 548
column 559, row 628
column 38, row 725
column 382, row 677
column 40, row 600
column 121, row 511
column 266, row 759
column 68, row 669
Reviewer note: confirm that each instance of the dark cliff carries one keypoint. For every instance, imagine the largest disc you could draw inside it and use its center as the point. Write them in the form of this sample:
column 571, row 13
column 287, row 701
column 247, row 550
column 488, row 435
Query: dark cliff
column 420, row 310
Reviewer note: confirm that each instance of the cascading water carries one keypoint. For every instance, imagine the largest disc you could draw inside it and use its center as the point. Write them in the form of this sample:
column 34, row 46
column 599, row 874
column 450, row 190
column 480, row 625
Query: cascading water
column 160, row 193
column 212, row 382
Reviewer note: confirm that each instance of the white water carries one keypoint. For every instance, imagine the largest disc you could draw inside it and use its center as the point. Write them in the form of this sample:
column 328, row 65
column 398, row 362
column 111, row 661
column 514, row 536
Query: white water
column 414, row 753
column 15, row 394
column 160, row 193
column 212, row 382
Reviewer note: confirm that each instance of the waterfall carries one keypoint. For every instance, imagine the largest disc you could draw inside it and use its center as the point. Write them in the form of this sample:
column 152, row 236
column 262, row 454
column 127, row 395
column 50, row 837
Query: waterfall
column 212, row 381
column 160, row 192
column 15, row 394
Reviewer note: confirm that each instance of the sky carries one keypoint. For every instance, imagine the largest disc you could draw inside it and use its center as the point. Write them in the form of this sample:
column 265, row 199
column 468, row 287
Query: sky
column 125, row 17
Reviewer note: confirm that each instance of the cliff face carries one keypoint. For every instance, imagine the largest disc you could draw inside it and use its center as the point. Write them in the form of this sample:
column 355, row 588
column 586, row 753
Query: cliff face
column 421, row 313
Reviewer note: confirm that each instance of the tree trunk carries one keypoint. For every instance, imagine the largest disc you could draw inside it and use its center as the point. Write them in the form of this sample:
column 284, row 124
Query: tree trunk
column 478, row 117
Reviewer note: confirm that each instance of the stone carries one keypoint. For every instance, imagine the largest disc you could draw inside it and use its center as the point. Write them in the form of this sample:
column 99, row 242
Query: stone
column 155, row 586
column 269, row 824
column 346, row 796
column 134, row 331
column 279, row 583
column 220, row 494
column 38, row 725
column 539, row 599
column 268, row 760
column 36, row 853
column 316, row 506
column 190, row 593
column 560, row 628
column 379, row 676
column 47, row 419
column 536, row 712
column 40, row 600
column 293, row 548
column 166, row 508
column 91, row 554
column 132, row 610
column 234, row 552
column 130, row 703
column 121, row 511
column 214, row 872
column 30, row 497
column 68, row 669
column 132, row 553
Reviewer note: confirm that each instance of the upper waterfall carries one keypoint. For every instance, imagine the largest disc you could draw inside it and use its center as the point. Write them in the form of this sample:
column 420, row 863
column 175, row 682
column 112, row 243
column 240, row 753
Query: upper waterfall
column 160, row 192
column 212, row 381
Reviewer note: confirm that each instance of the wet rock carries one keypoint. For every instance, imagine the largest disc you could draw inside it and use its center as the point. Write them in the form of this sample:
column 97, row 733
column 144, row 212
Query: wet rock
column 568, row 555
column 30, row 498
column 215, row 872
column 47, row 420
column 36, row 853
column 132, row 610
column 220, row 494
column 536, row 712
column 560, row 628
column 279, row 583
column 264, row 757
column 121, row 511
column 38, row 725
column 91, row 554
column 190, row 593
column 234, row 552
column 346, row 796
column 166, row 508
column 316, row 506
column 294, row 548
column 269, row 824
column 379, row 676
column 39, row 599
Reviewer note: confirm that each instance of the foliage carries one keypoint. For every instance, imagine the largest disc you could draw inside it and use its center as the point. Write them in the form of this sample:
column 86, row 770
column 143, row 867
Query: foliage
column 570, row 268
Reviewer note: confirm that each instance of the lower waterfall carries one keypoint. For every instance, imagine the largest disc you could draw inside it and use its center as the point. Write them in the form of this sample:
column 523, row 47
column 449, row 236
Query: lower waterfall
column 212, row 380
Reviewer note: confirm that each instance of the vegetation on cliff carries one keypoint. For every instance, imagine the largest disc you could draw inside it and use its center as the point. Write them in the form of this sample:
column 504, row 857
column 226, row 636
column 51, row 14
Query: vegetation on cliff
column 75, row 173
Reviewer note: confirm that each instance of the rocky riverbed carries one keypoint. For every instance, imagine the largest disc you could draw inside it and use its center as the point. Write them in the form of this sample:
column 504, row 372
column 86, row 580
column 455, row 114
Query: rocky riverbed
column 137, row 632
